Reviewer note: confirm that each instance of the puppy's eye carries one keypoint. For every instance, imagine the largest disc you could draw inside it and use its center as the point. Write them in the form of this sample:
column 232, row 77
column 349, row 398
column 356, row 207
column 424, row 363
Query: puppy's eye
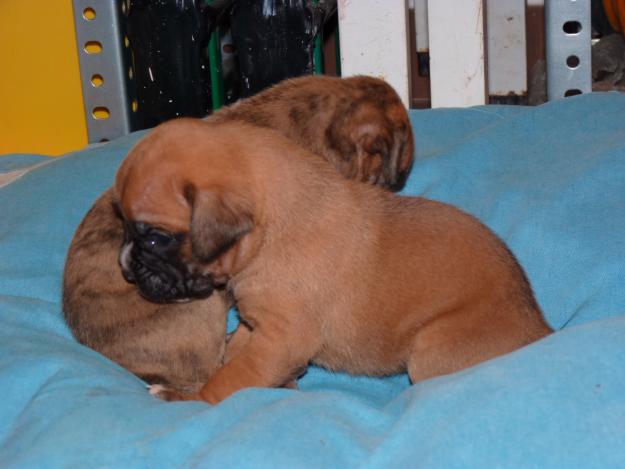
column 157, row 240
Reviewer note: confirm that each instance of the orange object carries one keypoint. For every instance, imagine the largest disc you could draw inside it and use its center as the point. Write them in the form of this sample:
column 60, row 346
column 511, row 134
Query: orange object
column 615, row 12
column 41, row 107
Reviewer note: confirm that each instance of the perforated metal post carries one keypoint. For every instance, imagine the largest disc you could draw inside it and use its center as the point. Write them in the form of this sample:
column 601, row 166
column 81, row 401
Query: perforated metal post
column 104, row 68
column 567, row 24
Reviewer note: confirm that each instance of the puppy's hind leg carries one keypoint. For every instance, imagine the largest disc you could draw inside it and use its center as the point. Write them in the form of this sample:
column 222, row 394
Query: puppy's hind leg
column 463, row 338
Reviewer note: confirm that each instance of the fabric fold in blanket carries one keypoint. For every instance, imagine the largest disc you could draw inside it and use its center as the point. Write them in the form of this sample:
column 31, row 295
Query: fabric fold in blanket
column 549, row 180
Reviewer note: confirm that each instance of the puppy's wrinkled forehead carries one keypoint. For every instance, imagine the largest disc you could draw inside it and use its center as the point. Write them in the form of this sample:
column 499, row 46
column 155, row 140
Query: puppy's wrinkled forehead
column 149, row 185
column 178, row 158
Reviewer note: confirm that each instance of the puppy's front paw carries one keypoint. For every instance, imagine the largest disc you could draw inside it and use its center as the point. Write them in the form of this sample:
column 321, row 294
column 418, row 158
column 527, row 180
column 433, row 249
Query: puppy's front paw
column 163, row 392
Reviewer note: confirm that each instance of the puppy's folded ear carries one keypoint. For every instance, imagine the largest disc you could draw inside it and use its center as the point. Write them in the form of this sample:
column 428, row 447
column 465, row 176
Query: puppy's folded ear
column 377, row 143
column 218, row 221
column 372, row 139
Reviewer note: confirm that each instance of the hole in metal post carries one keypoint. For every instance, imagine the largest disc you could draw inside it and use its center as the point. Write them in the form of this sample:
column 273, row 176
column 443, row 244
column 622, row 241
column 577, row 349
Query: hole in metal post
column 101, row 113
column 93, row 47
column 572, row 27
column 572, row 92
column 88, row 14
column 572, row 61
column 97, row 80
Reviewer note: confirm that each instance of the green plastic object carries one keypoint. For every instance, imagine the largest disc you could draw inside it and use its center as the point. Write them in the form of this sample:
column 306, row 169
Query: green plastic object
column 216, row 73
column 318, row 51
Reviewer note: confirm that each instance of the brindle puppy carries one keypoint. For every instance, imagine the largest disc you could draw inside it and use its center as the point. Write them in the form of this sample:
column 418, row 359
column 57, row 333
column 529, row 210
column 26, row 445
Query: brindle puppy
column 359, row 124
column 180, row 343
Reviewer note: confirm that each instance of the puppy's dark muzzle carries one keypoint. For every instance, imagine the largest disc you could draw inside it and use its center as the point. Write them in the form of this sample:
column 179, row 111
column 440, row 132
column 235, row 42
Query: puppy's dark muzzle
column 168, row 282
column 150, row 260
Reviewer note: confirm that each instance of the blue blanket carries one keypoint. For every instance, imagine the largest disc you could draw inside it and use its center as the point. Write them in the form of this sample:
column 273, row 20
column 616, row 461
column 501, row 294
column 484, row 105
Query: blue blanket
column 549, row 180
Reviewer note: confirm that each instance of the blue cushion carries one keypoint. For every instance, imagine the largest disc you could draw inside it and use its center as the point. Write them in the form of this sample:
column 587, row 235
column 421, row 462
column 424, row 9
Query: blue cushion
column 549, row 180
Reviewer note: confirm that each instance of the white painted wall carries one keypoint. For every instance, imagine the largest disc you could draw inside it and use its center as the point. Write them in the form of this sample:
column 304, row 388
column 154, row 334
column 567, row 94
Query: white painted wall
column 421, row 25
column 374, row 41
column 457, row 66
column 507, row 51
